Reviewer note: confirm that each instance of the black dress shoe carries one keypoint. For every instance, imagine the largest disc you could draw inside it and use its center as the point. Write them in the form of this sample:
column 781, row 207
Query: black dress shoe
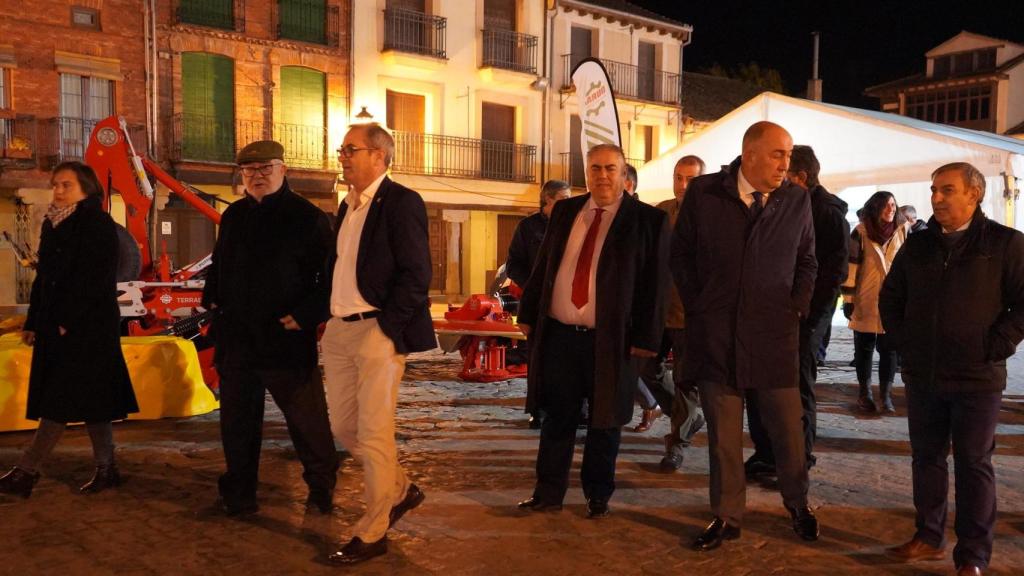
column 104, row 477
column 597, row 508
column 321, row 500
column 18, row 482
column 757, row 468
column 413, row 498
column 357, row 551
column 714, row 534
column 804, row 523
column 536, row 422
column 239, row 509
column 535, row 504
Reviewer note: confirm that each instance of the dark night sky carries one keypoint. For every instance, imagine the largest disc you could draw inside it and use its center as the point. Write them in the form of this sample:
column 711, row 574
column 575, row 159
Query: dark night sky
column 863, row 43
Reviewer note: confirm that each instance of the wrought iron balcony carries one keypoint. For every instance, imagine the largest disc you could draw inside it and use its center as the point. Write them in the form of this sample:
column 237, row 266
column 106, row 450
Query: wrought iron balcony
column 223, row 14
column 632, row 82
column 436, row 155
column 197, row 138
column 415, row 32
column 17, row 139
column 64, row 138
column 575, row 173
column 307, row 21
column 510, row 50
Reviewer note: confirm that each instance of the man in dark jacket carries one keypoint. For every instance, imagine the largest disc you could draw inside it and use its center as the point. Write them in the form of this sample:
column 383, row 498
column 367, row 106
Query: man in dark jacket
column 265, row 280
column 380, row 312
column 595, row 300
column 831, row 248
column 953, row 302
column 743, row 260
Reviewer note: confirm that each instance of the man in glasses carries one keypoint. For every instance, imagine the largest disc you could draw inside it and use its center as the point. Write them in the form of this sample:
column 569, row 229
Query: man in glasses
column 265, row 280
column 379, row 313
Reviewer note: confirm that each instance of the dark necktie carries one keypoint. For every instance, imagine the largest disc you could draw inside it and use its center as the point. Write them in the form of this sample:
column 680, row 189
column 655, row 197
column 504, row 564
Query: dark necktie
column 581, row 280
column 757, row 206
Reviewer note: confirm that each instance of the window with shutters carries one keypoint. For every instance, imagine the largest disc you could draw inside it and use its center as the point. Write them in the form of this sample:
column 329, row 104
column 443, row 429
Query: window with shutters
column 302, row 126
column 212, row 13
column 497, row 150
column 208, row 107
column 5, row 87
column 406, row 114
column 646, row 74
column 84, row 101
column 303, row 20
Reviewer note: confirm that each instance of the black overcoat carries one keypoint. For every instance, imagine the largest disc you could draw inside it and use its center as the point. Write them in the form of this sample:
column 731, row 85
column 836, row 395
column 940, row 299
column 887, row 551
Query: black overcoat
column 268, row 264
column 745, row 283
column 80, row 376
column 632, row 280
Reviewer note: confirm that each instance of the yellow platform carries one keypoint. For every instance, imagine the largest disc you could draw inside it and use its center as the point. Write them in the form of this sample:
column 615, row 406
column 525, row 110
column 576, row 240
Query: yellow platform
column 164, row 371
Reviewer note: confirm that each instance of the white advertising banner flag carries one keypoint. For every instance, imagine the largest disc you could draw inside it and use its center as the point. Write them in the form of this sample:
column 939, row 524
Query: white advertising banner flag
column 598, row 114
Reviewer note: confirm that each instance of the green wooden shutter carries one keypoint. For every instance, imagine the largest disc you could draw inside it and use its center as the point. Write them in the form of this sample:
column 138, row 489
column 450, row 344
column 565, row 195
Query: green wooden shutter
column 214, row 13
column 303, row 118
column 303, row 20
column 208, row 107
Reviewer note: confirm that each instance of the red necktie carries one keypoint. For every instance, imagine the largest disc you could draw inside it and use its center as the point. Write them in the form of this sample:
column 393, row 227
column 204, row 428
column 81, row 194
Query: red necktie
column 581, row 280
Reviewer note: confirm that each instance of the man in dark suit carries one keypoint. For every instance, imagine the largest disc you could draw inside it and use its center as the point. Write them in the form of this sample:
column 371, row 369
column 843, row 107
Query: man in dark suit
column 743, row 260
column 953, row 302
column 379, row 313
column 595, row 299
column 265, row 280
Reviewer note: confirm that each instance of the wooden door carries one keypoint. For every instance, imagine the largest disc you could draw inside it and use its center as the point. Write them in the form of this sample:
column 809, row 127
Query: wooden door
column 498, row 132
column 406, row 116
column 438, row 240
column 645, row 71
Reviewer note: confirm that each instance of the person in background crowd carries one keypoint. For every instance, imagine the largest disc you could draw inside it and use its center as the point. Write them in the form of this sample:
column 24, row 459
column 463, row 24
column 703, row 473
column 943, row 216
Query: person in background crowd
column 78, row 372
column 685, row 413
column 831, row 236
column 594, row 301
column 954, row 304
column 743, row 260
column 910, row 213
column 525, row 245
column 265, row 281
column 873, row 246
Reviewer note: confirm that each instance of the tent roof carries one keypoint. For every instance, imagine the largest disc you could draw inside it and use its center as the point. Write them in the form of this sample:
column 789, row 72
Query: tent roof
column 856, row 147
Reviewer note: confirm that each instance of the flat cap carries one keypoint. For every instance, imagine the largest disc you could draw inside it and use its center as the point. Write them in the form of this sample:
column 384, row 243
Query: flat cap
column 260, row 151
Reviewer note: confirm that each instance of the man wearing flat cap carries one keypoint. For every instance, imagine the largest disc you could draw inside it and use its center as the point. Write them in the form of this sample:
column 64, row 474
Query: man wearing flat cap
column 267, row 281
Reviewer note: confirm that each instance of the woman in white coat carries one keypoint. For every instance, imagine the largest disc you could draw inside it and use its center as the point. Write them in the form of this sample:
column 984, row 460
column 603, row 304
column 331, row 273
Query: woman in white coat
column 873, row 246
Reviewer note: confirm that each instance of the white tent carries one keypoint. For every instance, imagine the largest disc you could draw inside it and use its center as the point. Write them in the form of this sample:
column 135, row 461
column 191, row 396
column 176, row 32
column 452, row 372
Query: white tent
column 861, row 152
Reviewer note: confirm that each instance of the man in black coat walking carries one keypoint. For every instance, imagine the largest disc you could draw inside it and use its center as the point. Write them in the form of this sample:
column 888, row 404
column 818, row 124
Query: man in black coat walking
column 831, row 248
column 953, row 302
column 743, row 260
column 595, row 300
column 266, row 281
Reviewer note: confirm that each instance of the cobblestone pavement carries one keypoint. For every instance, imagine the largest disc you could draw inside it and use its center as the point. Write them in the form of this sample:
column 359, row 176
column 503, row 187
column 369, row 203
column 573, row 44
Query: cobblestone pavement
column 468, row 447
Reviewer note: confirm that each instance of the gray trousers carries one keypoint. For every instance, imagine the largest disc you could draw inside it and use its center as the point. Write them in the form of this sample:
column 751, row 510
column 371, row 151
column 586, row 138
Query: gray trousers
column 781, row 412
column 686, row 400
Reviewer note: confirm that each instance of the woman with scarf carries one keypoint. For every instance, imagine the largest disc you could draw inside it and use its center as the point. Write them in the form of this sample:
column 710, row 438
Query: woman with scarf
column 78, row 371
column 873, row 246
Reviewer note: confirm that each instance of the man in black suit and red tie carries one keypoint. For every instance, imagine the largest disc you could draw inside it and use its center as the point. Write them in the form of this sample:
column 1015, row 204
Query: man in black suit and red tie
column 596, row 297
column 380, row 271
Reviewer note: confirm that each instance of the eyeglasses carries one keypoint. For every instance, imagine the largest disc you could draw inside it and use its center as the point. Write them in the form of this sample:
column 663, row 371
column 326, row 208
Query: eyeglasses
column 349, row 150
column 264, row 170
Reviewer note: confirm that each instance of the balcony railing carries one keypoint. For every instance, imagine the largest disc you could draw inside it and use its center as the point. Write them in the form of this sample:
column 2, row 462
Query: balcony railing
column 307, row 21
column 197, row 138
column 415, row 32
column 437, row 155
column 632, row 82
column 64, row 138
column 223, row 14
column 574, row 171
column 510, row 50
column 17, row 138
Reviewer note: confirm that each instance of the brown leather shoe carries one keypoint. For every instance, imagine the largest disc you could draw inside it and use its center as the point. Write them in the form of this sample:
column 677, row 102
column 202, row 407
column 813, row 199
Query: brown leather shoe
column 647, row 419
column 916, row 550
column 969, row 570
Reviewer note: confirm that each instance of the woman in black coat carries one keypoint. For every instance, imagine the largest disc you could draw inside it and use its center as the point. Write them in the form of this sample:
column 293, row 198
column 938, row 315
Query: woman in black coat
column 78, row 370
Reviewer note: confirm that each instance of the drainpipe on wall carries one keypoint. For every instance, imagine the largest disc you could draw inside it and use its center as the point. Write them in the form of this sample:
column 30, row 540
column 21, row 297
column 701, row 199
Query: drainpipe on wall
column 679, row 120
column 351, row 63
column 545, row 148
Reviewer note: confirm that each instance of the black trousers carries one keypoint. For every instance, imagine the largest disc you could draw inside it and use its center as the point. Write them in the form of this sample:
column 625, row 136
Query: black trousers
column 864, row 346
column 810, row 340
column 968, row 422
column 299, row 393
column 568, row 374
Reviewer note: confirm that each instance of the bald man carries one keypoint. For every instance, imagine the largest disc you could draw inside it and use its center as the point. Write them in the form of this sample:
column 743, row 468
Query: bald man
column 743, row 261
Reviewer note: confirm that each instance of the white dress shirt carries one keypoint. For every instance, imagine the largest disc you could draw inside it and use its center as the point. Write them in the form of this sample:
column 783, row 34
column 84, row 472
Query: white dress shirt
column 345, row 297
column 747, row 190
column 562, row 307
